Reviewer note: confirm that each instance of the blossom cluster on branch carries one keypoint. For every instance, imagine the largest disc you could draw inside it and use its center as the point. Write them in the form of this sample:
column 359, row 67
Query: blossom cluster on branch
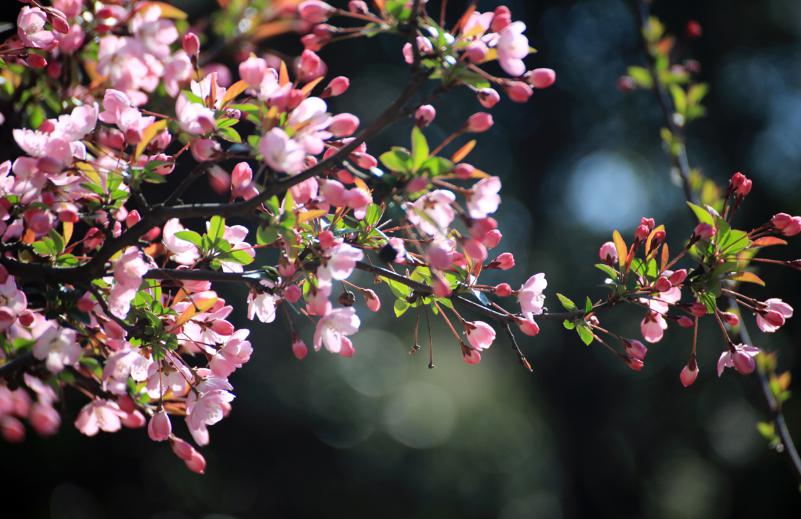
column 109, row 293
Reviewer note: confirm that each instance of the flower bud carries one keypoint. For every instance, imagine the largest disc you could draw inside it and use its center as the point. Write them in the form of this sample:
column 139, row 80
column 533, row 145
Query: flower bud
column 488, row 97
column 424, row 115
column 698, row 309
column 693, row 29
column 343, row 125
column 358, row 7
column 205, row 149
column 476, row 51
column 293, row 293
column 299, row 349
column 685, row 322
column 689, row 374
column 678, row 277
column 159, row 428
column 463, row 171
column 636, row 349
column 336, row 86
column 743, row 363
column 479, row 122
column 504, row 261
column 740, row 185
column 608, row 253
column 315, row 11
column 372, row 300
column 518, row 91
column 662, row 285
column 12, row 429
column 541, row 77
column 191, row 43
column 503, row 290
column 704, row 231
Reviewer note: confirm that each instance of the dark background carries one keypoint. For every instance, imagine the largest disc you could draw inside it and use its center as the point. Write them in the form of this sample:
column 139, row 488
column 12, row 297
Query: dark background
column 381, row 435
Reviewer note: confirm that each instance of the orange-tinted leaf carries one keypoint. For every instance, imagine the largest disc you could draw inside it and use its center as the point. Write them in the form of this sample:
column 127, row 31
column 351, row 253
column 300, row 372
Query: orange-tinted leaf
column 665, row 256
column 379, row 5
column 464, row 151
column 29, row 237
column 466, row 16
column 67, row 227
column 749, row 277
column 148, row 134
column 198, row 305
column 308, row 87
column 283, row 75
column 361, row 185
column 620, row 245
column 651, row 236
column 233, row 91
column 167, row 10
column 767, row 241
column 271, row 29
column 311, row 215
column 665, row 45
column 784, row 380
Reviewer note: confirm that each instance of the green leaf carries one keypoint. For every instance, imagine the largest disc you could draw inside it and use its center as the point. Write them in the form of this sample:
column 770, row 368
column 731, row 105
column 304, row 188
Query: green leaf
column 216, row 229
column 420, row 149
column 397, row 160
column 567, row 304
column 587, row 305
column 373, row 214
column 266, row 234
column 568, row 324
column 240, row 256
column 702, row 214
column 584, row 333
column 230, row 135
column 400, row 307
column 641, row 76
column 399, row 289
column 190, row 236
column 606, row 269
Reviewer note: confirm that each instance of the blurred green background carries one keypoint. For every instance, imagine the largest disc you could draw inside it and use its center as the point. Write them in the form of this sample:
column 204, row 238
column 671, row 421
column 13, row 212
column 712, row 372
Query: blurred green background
column 381, row 435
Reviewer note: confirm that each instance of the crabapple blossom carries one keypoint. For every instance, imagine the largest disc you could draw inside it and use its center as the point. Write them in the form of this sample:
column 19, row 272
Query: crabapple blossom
column 739, row 357
column 531, row 296
column 334, row 327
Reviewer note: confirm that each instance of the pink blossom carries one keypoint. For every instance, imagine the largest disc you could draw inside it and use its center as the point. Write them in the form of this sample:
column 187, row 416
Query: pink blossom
column 424, row 47
column 512, row 47
column 531, row 296
column 31, row 28
column 205, row 149
column 372, row 300
column 653, row 327
column 772, row 317
column 55, row 345
column 343, row 125
column 740, row 357
column 159, row 428
column 262, row 306
column 124, row 364
column 340, row 262
column 740, row 185
column 527, row 325
column 483, row 198
column 636, row 349
column 282, row 153
column 608, row 253
column 183, row 252
column 242, row 185
column 334, row 327
column 253, row 70
column 99, row 415
column 72, row 40
column 704, row 231
column 208, row 407
column 488, row 97
column 12, row 429
column 194, row 118
column 432, row 213
column 480, row 335
column 232, row 356
column 128, row 272
column 12, row 302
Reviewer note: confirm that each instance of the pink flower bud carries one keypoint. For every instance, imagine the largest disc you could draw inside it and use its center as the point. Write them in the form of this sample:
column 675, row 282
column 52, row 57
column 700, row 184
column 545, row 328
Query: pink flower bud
column 476, row 51
column 608, row 253
column 704, row 231
column 12, row 429
column 463, row 171
column 492, row 238
column 528, row 326
column 134, row 420
column 698, row 309
column 504, row 261
column 424, row 115
column 336, row 86
column 662, row 285
column 781, row 220
column 343, row 125
column 636, row 349
column 58, row 21
column 518, row 91
column 541, row 77
column 693, row 29
column 689, row 374
column 36, row 61
column 191, row 43
column 488, row 97
column 196, row 463
column 299, row 349
column 44, row 419
column 678, row 277
column 358, row 7
column 740, row 185
column 182, row 449
column 743, row 363
column 471, row 356
column 685, row 322
column 372, row 300
column 310, row 66
column 292, row 293
column 132, row 218
column 441, row 287
column 253, row 70
column 502, row 17
column 479, row 122
column 730, row 318
column 793, row 227
column 205, row 149
column 219, row 180
column 634, row 364
column 159, row 428
column 503, row 290
column 315, row 11
column 327, row 240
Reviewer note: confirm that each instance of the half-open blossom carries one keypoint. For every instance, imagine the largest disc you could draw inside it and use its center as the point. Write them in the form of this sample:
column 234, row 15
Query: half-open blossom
column 531, row 296
column 483, row 198
column 432, row 213
column 262, row 306
column 740, row 357
column 31, row 28
column 772, row 316
column 512, row 47
column 608, row 253
column 282, row 153
column 159, row 428
column 232, row 355
column 208, row 407
column 55, row 345
column 480, row 335
column 99, row 415
column 689, row 373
